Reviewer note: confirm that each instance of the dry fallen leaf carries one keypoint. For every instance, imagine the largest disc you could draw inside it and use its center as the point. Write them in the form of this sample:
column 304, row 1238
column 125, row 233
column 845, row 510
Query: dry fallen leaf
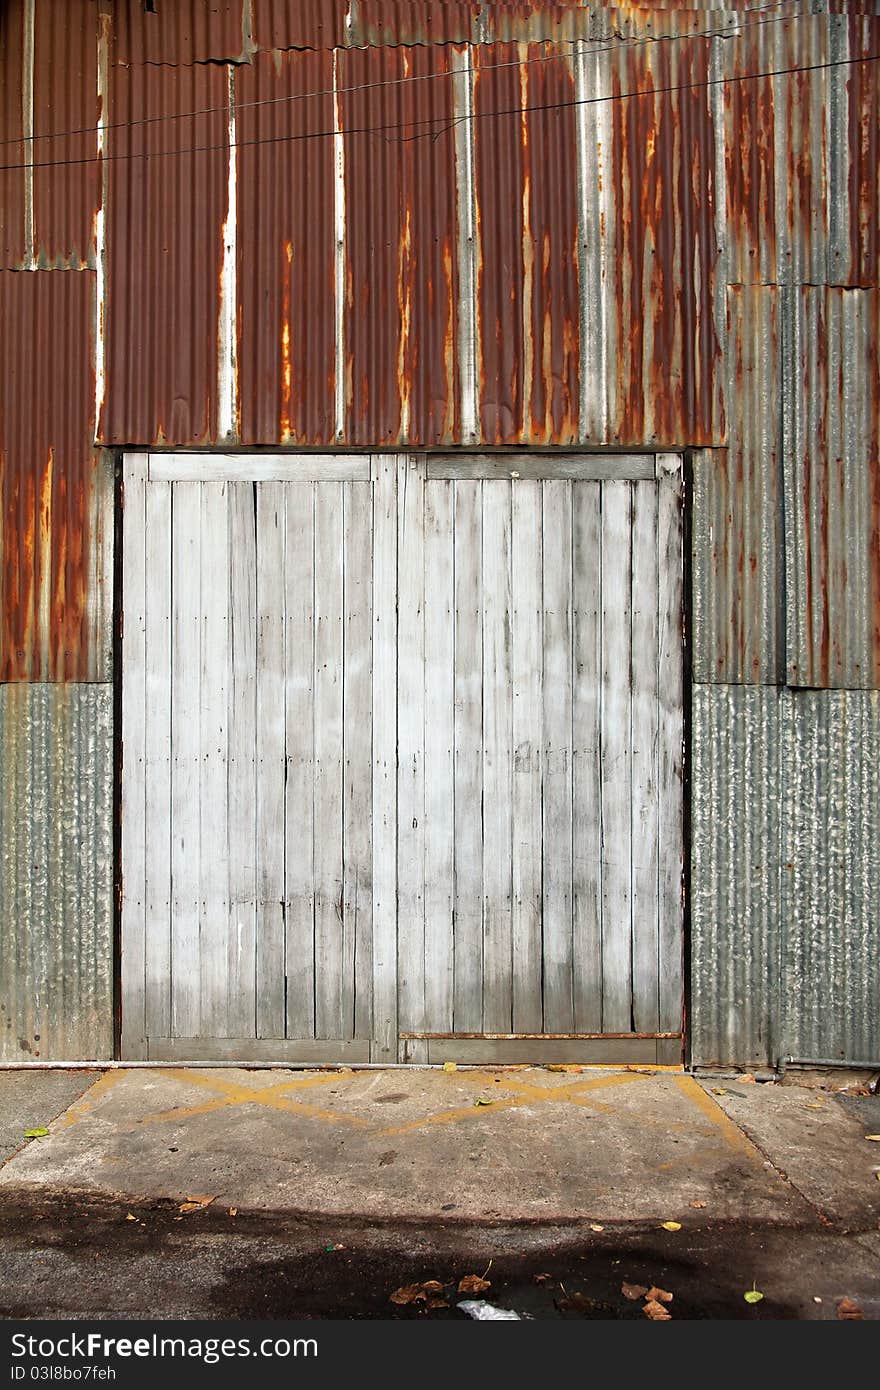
column 633, row 1291
column 848, row 1308
column 596, row 1227
column 417, row 1293
column 671, row 1225
column 718, row 1091
column 195, row 1203
column 656, row 1295
column 874, row 1138
column 482, row 1100
column 698, row 1204
column 472, row 1283
column 753, row 1295
column 655, row 1311
column 543, row 1278
column 233, row 1211
column 576, row 1303
column 814, row 1105
column 450, row 1066
column 748, row 1077
column 129, row 1217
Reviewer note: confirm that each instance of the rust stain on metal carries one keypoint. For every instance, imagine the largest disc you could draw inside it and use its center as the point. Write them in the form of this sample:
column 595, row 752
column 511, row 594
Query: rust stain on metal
column 164, row 253
column 750, row 167
column 286, row 349
column 12, row 181
column 666, row 248
column 863, row 90
column 65, row 99
column 49, row 486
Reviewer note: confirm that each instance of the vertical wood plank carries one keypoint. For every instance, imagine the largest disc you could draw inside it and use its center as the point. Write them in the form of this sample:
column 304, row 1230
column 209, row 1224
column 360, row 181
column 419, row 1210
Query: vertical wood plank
column 186, row 860
column 528, row 740
column 357, row 905
column 242, row 779
column 299, row 647
column 645, row 735
column 670, row 769
column 557, row 833
column 328, row 761
column 214, row 760
column 135, row 657
column 158, row 759
column 586, row 750
column 439, row 684
column 497, row 760
column 616, row 758
column 384, row 1043
column 270, row 963
column 468, row 757
column 411, row 748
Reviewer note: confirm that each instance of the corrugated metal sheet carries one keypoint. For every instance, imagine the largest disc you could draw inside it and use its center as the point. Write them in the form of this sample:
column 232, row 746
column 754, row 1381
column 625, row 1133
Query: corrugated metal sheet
column 736, row 798
column 179, row 32
column 831, row 878
column 56, row 492
column 56, row 872
column 164, row 253
column 12, row 219
column 832, row 487
column 785, row 873
column 738, row 566
column 65, row 98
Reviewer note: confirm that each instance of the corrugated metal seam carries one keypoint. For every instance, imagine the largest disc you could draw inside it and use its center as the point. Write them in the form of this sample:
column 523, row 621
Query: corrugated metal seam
column 56, row 872
column 785, row 863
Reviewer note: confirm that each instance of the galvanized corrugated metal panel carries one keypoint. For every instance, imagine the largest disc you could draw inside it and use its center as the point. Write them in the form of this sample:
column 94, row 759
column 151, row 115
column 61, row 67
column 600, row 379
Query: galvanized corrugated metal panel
column 738, row 566
column 56, row 492
column 831, row 879
column 832, row 487
column 736, row 800
column 56, row 872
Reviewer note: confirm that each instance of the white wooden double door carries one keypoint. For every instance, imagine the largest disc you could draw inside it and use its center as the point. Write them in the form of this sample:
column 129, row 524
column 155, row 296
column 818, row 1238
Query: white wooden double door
column 402, row 758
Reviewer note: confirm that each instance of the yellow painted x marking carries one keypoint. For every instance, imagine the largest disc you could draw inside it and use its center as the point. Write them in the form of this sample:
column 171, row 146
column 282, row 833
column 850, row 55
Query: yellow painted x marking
column 526, row 1094
column 227, row 1093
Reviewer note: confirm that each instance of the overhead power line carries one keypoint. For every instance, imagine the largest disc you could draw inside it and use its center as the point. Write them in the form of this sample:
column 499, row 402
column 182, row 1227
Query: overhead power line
column 607, row 46
column 450, row 125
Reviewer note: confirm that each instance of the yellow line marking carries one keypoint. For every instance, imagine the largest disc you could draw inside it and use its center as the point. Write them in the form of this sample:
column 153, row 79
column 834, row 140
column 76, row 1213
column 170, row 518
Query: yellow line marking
column 731, row 1132
column 86, row 1103
column 233, row 1094
column 526, row 1095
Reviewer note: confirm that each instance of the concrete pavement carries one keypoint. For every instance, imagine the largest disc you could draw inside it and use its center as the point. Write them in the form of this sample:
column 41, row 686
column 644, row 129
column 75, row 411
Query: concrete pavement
column 425, row 1167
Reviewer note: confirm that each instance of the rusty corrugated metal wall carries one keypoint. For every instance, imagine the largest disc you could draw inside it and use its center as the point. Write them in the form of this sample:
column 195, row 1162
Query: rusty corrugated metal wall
column 351, row 223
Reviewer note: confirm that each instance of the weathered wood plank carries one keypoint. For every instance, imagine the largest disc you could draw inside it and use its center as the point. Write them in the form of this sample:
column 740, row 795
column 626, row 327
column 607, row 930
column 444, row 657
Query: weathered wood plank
column 411, row 745
column 557, row 842
column 645, row 735
column 541, row 1051
column 213, row 760
column 242, row 778
column 270, row 962
column 186, row 650
column 590, row 467
column 383, row 1047
column 497, row 760
column 135, row 657
column 528, row 742
column 357, row 906
column 586, row 751
column 670, row 760
column 299, row 838
column 439, row 680
column 287, row 1051
column 158, row 760
column 468, row 758
column 616, row 757
column 328, row 761
column 259, row 468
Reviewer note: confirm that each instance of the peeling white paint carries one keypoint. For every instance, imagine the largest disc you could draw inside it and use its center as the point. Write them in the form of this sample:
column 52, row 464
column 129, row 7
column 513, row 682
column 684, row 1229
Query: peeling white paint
column 339, row 226
column 100, row 233
column 227, row 363
column 466, row 218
